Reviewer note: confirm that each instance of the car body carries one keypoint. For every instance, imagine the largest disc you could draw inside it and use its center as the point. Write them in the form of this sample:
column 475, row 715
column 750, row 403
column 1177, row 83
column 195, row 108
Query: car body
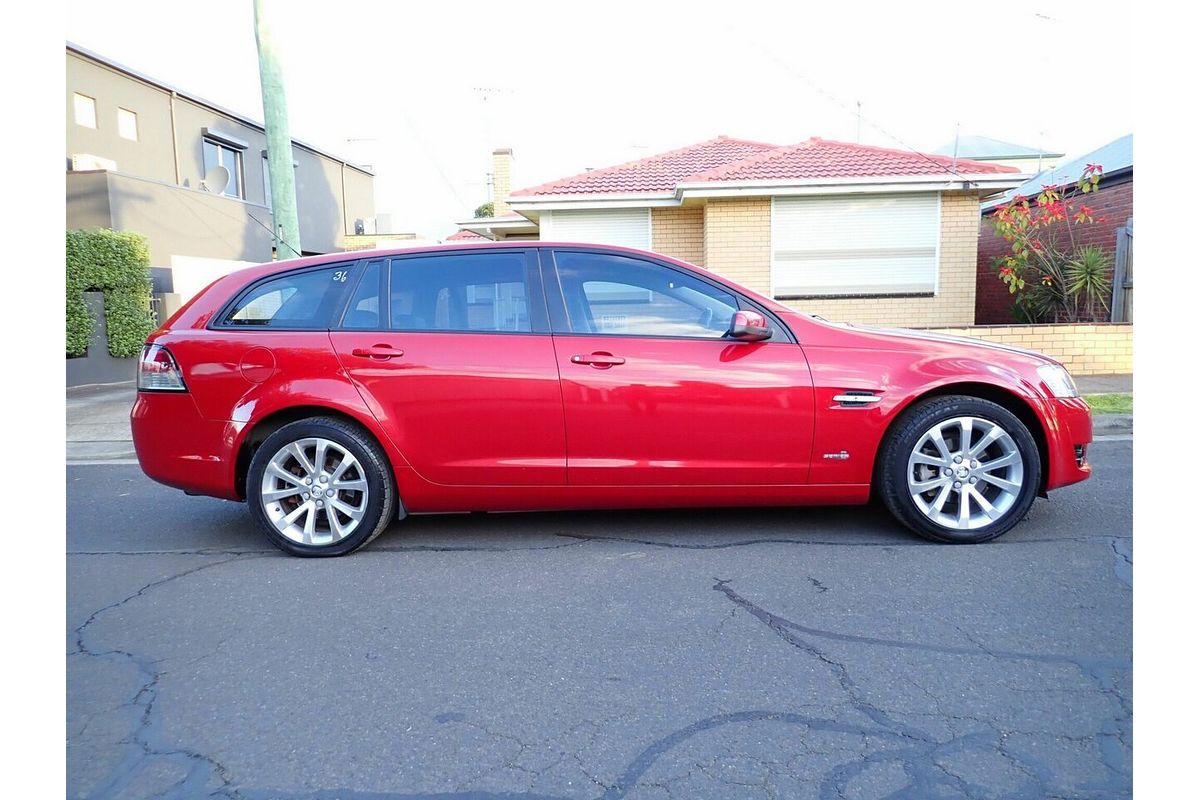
column 538, row 375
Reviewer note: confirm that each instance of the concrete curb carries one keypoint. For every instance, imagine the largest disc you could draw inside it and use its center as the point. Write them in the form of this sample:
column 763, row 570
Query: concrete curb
column 1111, row 424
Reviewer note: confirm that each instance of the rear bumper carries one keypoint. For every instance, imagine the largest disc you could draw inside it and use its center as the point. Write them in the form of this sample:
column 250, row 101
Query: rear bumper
column 1069, row 432
column 178, row 447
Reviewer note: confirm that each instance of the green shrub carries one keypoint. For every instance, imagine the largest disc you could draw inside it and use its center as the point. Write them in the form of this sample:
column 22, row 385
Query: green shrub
column 118, row 264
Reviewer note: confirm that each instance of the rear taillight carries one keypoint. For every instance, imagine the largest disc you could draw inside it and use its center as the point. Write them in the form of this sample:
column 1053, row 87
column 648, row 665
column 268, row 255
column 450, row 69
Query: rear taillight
column 158, row 372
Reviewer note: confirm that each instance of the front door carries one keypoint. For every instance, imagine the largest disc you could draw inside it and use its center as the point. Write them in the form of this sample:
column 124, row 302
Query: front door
column 655, row 394
column 458, row 365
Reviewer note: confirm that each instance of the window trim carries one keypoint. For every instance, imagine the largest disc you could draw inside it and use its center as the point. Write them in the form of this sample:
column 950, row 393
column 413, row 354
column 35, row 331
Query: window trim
column 219, row 320
column 535, row 299
column 851, row 295
column 239, row 155
column 560, row 321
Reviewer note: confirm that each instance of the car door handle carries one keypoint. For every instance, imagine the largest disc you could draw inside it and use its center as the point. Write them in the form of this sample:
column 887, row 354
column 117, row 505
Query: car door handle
column 598, row 360
column 379, row 351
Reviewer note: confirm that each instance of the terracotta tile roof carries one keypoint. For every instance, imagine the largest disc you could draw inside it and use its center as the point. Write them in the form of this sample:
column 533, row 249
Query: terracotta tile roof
column 657, row 173
column 821, row 158
column 726, row 159
column 464, row 235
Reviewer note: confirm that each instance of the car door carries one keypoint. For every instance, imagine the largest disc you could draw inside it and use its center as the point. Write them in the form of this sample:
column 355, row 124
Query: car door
column 654, row 392
column 452, row 352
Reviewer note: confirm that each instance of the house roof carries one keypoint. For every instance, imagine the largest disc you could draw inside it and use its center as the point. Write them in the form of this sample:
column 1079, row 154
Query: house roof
column 987, row 147
column 822, row 158
column 657, row 173
column 466, row 236
column 727, row 159
column 1114, row 157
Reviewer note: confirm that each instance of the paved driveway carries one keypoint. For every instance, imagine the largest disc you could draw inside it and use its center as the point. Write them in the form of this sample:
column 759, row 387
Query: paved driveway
column 818, row 653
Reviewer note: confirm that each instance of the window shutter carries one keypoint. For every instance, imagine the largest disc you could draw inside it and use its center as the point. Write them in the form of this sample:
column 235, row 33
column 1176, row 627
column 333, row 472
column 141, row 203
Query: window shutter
column 871, row 244
column 627, row 227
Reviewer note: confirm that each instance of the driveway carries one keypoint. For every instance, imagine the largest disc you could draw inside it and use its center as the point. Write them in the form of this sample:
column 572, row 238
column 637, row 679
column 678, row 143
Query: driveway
column 811, row 653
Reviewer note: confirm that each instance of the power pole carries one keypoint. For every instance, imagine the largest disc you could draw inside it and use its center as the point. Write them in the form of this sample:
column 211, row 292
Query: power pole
column 279, row 140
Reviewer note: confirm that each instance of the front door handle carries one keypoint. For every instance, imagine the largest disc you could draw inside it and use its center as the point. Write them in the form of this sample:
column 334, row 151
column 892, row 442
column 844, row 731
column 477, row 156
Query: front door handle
column 598, row 360
column 380, row 352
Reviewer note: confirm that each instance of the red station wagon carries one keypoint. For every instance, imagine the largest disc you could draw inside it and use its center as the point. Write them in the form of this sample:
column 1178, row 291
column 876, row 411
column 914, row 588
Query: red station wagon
column 335, row 394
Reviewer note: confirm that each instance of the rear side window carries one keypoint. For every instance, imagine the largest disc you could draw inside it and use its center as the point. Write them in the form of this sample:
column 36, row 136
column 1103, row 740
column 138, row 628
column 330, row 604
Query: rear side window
column 486, row 292
column 300, row 300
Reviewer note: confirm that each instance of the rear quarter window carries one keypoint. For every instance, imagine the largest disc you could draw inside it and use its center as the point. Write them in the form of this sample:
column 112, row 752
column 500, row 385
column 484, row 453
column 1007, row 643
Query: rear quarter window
column 300, row 300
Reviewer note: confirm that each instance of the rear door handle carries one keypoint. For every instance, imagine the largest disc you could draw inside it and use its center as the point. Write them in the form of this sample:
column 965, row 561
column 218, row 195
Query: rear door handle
column 598, row 360
column 379, row 351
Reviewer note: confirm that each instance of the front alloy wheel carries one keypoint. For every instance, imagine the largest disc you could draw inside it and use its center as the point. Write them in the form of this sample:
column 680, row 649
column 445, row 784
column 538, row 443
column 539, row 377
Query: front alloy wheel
column 959, row 469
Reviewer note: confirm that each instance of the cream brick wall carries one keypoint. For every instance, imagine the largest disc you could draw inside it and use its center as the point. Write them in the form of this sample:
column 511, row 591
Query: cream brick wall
column 678, row 232
column 737, row 240
column 1101, row 349
column 954, row 302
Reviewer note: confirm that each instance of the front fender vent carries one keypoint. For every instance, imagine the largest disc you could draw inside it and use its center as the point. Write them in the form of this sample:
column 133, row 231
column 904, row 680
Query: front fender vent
column 855, row 398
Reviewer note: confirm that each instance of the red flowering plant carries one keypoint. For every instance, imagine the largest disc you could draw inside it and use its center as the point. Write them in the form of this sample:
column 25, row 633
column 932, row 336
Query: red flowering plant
column 1055, row 278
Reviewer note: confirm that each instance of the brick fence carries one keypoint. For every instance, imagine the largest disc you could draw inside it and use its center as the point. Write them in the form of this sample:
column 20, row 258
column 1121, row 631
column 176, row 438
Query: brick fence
column 1091, row 349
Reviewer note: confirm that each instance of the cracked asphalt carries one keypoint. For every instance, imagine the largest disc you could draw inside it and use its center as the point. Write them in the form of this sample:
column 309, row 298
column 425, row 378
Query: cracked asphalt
column 779, row 653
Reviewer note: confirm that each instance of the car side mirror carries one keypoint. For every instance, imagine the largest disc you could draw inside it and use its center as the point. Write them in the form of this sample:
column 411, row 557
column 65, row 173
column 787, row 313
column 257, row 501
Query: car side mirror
column 749, row 326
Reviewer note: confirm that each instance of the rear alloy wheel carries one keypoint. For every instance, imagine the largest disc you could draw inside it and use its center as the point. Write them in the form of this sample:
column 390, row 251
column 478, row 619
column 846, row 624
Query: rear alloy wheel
column 320, row 487
column 960, row 469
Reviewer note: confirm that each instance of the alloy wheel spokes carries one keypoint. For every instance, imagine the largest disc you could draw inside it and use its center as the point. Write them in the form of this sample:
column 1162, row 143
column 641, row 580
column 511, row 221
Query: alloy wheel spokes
column 314, row 491
column 965, row 472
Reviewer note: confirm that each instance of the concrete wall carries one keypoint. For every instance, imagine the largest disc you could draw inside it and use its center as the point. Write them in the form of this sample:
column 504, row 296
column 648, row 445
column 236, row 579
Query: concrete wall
column 98, row 366
column 1099, row 349
column 174, row 220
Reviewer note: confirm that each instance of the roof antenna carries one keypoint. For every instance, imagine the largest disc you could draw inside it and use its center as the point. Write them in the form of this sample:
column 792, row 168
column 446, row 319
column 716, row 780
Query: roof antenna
column 954, row 161
column 858, row 122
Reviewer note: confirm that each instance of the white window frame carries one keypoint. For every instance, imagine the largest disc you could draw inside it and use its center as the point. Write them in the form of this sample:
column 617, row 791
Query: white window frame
column 937, row 261
column 76, row 97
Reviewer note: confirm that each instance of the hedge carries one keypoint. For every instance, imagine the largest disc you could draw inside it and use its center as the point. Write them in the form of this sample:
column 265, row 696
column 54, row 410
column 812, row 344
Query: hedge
column 118, row 264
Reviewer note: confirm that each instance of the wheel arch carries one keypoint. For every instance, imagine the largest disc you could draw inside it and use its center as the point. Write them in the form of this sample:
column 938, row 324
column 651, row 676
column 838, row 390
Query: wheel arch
column 258, row 432
column 1006, row 398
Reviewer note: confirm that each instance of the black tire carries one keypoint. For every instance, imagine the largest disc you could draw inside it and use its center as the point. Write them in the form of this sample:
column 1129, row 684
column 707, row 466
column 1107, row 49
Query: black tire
column 893, row 465
column 382, row 499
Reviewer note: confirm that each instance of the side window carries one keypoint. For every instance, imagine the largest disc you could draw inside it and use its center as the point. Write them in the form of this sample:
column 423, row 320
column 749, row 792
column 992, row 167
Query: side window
column 618, row 295
column 460, row 292
column 304, row 300
column 363, row 311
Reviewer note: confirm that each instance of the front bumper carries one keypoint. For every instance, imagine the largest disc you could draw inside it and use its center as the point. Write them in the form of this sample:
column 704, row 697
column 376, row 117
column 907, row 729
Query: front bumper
column 176, row 446
column 1069, row 432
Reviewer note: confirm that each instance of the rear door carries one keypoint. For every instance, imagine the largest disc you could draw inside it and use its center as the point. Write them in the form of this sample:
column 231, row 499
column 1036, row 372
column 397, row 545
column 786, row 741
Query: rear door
column 452, row 352
column 653, row 391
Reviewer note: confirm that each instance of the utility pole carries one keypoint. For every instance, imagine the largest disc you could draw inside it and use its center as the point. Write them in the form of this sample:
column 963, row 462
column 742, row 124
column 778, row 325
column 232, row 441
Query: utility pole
column 279, row 140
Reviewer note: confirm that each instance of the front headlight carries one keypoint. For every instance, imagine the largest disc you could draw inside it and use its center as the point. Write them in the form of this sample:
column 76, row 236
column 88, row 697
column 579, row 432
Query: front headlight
column 1058, row 380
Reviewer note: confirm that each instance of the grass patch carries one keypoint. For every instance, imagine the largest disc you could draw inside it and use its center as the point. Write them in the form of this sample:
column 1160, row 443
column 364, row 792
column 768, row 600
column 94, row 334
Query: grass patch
column 1110, row 403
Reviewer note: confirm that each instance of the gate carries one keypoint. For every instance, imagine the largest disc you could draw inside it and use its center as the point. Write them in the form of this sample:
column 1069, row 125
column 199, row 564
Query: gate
column 1122, row 285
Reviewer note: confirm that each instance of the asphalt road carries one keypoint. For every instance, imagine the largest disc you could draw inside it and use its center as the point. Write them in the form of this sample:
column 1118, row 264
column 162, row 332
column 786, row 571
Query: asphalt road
column 820, row 653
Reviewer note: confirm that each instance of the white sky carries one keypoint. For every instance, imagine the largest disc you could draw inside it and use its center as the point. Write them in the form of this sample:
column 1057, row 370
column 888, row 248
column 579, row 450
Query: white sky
column 572, row 85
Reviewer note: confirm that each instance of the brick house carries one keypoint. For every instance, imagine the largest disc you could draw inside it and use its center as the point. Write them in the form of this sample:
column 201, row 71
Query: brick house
column 1113, row 201
column 850, row 232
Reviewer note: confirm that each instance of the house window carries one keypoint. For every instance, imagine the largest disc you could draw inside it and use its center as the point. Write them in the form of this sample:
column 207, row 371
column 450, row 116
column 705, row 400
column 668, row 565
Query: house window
column 863, row 245
column 127, row 124
column 85, row 110
column 220, row 154
column 627, row 227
